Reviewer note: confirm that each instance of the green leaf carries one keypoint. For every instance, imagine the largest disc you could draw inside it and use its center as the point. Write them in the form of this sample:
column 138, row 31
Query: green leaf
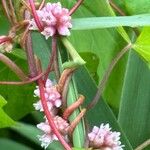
column 4, row 24
column 101, row 113
column 7, row 144
column 135, row 101
column 5, row 120
column 19, row 98
column 142, row 45
column 137, row 6
column 110, row 22
column 104, row 43
column 20, row 53
column 31, row 132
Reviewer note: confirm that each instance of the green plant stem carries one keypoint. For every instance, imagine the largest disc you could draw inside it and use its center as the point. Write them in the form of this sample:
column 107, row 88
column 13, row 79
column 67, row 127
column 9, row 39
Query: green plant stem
column 13, row 67
column 143, row 145
column 106, row 76
column 77, row 60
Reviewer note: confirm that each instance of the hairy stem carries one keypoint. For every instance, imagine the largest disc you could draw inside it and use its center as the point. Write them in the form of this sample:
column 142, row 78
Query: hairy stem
column 75, row 7
column 103, row 82
column 13, row 67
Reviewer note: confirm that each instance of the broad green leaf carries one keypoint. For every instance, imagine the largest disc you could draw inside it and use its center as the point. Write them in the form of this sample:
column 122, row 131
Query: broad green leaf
column 135, row 101
column 101, row 113
column 104, row 43
column 19, row 98
column 137, row 6
column 31, row 132
column 20, row 53
column 7, row 144
column 4, row 24
column 142, row 45
column 110, row 22
column 5, row 120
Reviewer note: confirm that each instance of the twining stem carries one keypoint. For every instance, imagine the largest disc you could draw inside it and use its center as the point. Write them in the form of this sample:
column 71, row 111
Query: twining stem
column 65, row 74
column 5, row 39
column 41, row 4
column 6, row 9
column 12, row 12
column 103, row 82
column 22, row 82
column 36, row 18
column 114, row 6
column 65, row 91
column 29, row 51
column 77, row 60
column 76, row 121
column 25, row 4
column 52, row 57
column 75, row 7
column 49, row 117
column 56, row 68
column 13, row 67
column 143, row 145
column 70, row 109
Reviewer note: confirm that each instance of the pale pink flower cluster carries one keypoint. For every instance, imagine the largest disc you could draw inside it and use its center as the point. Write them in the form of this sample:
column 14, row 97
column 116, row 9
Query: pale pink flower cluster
column 54, row 19
column 48, row 135
column 103, row 138
column 53, row 98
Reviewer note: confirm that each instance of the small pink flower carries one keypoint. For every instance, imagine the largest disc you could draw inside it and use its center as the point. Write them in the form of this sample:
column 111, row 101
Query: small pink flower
column 49, row 136
column 104, row 138
column 52, row 96
column 54, row 19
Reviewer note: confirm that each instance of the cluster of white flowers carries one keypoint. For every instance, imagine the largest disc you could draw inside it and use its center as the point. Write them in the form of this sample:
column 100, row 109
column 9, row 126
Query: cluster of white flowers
column 53, row 98
column 102, row 137
column 54, row 19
